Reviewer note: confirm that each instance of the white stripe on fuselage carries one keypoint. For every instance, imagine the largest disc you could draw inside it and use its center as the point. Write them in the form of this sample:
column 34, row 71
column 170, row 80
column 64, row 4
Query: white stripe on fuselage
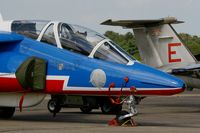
column 70, row 88
column 113, row 89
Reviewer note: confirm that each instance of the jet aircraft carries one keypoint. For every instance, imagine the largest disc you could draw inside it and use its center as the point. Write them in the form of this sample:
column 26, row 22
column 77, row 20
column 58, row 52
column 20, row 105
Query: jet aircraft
column 161, row 47
column 68, row 60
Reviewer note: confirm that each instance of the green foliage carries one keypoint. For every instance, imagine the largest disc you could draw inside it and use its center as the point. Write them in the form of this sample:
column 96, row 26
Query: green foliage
column 127, row 42
column 192, row 42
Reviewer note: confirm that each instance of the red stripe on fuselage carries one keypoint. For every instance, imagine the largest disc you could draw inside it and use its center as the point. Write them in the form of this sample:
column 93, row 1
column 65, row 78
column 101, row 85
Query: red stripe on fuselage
column 56, row 87
column 10, row 85
column 159, row 92
column 138, row 92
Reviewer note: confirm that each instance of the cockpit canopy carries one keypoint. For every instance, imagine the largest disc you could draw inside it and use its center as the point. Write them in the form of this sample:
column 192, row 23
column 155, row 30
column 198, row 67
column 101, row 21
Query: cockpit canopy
column 28, row 28
column 74, row 38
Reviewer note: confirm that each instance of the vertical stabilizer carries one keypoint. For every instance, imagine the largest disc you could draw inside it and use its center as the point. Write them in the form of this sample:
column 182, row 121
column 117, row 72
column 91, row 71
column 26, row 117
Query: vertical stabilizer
column 160, row 46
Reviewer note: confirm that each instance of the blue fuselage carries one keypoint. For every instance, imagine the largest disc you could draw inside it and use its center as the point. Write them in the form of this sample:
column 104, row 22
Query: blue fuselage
column 78, row 69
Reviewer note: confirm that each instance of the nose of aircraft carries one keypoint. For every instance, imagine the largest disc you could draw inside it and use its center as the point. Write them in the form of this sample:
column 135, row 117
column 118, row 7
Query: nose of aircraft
column 150, row 81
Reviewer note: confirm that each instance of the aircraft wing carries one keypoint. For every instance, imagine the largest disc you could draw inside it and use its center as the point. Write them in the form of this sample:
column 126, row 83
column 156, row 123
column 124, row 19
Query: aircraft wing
column 191, row 67
column 187, row 68
column 140, row 23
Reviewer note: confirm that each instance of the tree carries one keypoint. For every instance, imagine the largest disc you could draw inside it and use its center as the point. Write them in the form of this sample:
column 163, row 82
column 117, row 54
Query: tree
column 126, row 41
column 192, row 42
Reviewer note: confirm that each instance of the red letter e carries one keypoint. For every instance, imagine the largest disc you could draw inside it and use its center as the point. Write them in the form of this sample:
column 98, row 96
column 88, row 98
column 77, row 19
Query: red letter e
column 171, row 52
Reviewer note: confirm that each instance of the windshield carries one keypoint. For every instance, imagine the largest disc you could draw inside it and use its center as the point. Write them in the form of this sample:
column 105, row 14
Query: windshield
column 82, row 40
column 94, row 38
column 122, row 50
column 74, row 41
column 109, row 53
column 29, row 28
column 91, row 36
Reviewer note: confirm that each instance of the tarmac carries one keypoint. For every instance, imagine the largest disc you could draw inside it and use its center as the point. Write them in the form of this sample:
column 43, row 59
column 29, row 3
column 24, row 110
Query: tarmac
column 171, row 114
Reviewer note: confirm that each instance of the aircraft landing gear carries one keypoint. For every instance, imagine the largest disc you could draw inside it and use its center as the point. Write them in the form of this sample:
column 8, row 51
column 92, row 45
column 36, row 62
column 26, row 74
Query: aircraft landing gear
column 109, row 108
column 53, row 106
column 6, row 112
column 86, row 109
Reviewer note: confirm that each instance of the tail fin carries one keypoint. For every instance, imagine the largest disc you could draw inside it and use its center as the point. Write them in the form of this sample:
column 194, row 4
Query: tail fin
column 158, row 43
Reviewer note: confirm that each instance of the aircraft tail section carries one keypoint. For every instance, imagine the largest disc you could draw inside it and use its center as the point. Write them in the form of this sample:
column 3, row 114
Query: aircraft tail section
column 158, row 43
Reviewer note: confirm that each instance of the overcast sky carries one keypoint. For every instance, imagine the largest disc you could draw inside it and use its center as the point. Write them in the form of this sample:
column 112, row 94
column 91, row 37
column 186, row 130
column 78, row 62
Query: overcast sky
column 90, row 13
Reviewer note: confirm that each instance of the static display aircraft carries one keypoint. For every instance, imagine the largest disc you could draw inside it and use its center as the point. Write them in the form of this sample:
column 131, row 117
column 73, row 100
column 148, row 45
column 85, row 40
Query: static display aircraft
column 160, row 46
column 68, row 62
